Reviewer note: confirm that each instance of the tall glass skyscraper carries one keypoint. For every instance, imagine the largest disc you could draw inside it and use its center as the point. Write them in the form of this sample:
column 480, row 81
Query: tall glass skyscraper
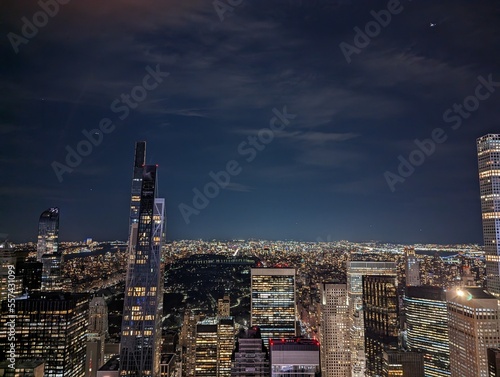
column 143, row 303
column 273, row 302
column 488, row 154
column 135, row 200
column 48, row 233
column 380, row 303
column 427, row 328
column 355, row 272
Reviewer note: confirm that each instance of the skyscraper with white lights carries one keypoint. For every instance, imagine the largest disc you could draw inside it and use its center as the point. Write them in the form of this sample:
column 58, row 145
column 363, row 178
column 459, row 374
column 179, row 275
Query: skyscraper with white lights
column 488, row 155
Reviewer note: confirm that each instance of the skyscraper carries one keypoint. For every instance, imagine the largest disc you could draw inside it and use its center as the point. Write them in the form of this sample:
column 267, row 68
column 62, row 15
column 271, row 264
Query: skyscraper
column 50, row 326
column 8, row 275
column 206, row 348
column 52, row 279
column 335, row 331
column 223, row 306
column 380, row 302
column 355, row 272
column 427, row 328
column 412, row 270
column 143, row 302
column 251, row 358
column 48, row 233
column 473, row 328
column 273, row 302
column 135, row 199
column 488, row 154
column 225, row 345
column 96, row 335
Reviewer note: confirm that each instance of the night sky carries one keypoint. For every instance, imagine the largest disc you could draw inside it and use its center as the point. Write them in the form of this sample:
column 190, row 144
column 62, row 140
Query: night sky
column 353, row 108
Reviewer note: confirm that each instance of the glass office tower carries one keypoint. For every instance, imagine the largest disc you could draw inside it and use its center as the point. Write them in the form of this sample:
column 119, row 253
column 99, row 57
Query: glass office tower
column 380, row 302
column 273, row 302
column 48, row 233
column 143, row 303
column 135, row 200
column 427, row 328
column 355, row 272
column 488, row 154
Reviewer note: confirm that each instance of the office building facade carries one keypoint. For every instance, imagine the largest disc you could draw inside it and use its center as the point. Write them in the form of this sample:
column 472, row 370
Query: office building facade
column 53, row 327
column 334, row 331
column 427, row 328
column 251, row 357
column 294, row 357
column 380, row 302
column 473, row 327
column 355, row 272
column 273, row 307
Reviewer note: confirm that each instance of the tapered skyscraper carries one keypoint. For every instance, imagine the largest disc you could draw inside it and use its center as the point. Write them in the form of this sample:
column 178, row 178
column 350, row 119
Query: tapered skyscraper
column 135, row 200
column 143, row 303
column 48, row 233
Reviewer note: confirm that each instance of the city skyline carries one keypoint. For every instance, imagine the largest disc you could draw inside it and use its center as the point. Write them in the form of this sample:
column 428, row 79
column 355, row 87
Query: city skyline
column 320, row 127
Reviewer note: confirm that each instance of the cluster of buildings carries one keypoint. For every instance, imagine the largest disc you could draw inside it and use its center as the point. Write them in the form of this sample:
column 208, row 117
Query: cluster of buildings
column 374, row 316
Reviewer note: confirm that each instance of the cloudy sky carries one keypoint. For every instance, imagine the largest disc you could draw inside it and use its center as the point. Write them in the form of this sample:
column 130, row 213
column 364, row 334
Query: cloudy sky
column 201, row 82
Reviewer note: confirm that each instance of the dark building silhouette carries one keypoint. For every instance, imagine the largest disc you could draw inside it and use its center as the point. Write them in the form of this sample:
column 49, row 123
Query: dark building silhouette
column 380, row 303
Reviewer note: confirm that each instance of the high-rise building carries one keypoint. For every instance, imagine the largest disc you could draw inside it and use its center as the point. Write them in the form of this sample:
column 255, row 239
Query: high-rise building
column 251, row 357
column 473, row 327
column 273, row 307
column 380, row 302
column 223, row 306
column 294, row 357
column 52, row 279
column 9, row 278
column 427, row 328
column 488, row 154
column 135, row 200
column 493, row 362
column 225, row 345
column 214, row 345
column 412, row 268
column 188, row 342
column 31, row 275
column 206, row 348
column 143, row 303
column 403, row 363
column 48, row 233
column 355, row 272
column 96, row 336
column 50, row 326
column 335, row 331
